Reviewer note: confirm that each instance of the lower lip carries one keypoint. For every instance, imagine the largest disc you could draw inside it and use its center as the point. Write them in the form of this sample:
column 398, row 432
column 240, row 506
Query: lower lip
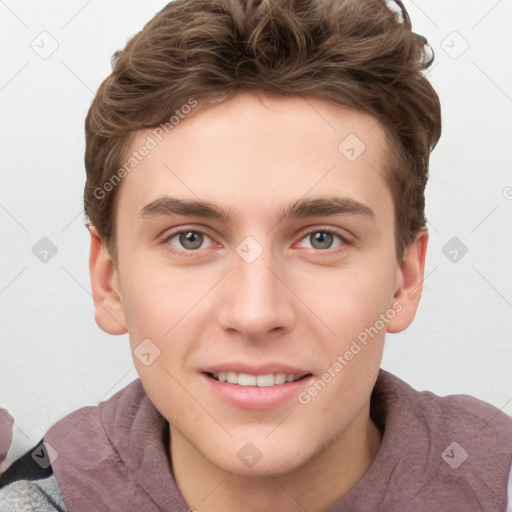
column 254, row 397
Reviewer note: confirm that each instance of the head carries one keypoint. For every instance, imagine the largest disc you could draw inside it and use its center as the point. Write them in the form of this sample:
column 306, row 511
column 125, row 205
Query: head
column 261, row 113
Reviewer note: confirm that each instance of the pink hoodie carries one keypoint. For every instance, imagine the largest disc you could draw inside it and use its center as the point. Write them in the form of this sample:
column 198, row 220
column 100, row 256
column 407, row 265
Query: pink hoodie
column 438, row 453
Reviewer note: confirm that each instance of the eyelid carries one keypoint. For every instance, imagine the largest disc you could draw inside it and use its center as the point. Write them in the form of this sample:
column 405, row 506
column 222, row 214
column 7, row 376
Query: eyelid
column 171, row 233
column 326, row 229
column 332, row 251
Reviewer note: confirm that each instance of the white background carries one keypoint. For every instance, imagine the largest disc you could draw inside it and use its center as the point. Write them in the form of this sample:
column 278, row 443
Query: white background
column 54, row 359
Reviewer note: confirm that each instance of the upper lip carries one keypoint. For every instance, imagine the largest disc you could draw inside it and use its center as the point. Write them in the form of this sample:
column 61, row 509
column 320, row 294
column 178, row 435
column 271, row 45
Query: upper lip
column 252, row 369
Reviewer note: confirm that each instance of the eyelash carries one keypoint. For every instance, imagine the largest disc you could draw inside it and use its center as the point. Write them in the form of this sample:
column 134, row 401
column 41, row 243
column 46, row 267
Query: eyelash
column 191, row 253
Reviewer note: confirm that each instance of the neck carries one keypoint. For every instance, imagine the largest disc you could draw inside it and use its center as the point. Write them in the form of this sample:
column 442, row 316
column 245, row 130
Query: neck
column 314, row 486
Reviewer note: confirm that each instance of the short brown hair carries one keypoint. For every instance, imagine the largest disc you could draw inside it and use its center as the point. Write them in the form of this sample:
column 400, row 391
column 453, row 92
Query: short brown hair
column 355, row 53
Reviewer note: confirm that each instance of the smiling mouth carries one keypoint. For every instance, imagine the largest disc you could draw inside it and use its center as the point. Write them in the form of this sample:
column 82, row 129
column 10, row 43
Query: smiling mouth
column 247, row 379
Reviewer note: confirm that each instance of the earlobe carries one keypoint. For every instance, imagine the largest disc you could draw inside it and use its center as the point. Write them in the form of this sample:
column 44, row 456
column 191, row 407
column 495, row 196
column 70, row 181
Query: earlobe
column 109, row 313
column 410, row 277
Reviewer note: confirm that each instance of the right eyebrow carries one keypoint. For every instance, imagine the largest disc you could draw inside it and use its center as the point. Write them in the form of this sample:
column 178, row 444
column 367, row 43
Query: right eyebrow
column 171, row 205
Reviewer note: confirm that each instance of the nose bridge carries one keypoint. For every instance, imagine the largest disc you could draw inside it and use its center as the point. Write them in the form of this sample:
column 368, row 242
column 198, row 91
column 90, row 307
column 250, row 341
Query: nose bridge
column 255, row 301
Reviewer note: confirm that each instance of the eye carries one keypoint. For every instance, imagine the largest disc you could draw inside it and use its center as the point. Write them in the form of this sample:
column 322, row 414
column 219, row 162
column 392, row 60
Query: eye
column 322, row 239
column 189, row 240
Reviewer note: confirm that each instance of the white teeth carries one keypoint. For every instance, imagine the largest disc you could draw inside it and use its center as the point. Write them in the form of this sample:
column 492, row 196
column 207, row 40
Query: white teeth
column 246, row 379
column 265, row 380
column 232, row 378
column 279, row 378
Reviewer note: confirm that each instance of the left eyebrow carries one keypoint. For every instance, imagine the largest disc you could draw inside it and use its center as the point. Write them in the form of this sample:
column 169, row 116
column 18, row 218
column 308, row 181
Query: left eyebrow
column 322, row 206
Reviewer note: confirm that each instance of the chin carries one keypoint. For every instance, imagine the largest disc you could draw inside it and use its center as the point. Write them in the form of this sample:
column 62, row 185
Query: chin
column 259, row 459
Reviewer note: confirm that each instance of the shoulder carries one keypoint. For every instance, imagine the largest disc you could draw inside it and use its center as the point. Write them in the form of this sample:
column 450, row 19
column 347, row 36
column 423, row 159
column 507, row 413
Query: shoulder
column 468, row 418
column 476, row 441
column 462, row 416
column 453, row 449
column 32, row 496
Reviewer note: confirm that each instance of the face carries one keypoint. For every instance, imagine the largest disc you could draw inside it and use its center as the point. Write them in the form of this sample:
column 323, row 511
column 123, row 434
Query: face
column 264, row 310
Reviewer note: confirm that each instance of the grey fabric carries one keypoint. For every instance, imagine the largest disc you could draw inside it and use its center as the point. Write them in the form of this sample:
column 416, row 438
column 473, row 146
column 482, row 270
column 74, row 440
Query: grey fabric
column 32, row 496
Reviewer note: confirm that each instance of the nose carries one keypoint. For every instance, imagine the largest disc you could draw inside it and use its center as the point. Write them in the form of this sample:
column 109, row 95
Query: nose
column 256, row 299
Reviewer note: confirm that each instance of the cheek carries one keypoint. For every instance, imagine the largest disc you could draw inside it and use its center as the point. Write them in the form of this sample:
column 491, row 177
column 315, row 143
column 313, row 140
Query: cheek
column 157, row 298
column 351, row 299
column 166, row 306
column 351, row 306
column 159, row 307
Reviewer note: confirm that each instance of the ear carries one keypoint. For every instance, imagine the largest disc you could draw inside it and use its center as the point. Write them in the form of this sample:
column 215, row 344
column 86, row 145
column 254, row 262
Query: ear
column 109, row 313
column 409, row 283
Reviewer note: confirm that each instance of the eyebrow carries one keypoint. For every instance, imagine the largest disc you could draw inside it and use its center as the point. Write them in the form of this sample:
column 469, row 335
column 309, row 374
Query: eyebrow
column 320, row 206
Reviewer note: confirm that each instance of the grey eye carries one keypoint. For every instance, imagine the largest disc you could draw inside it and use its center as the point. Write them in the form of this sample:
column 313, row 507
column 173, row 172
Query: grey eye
column 321, row 239
column 188, row 240
column 191, row 239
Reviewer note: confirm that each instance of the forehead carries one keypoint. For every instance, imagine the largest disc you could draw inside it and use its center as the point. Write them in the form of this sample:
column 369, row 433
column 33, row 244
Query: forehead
column 255, row 153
